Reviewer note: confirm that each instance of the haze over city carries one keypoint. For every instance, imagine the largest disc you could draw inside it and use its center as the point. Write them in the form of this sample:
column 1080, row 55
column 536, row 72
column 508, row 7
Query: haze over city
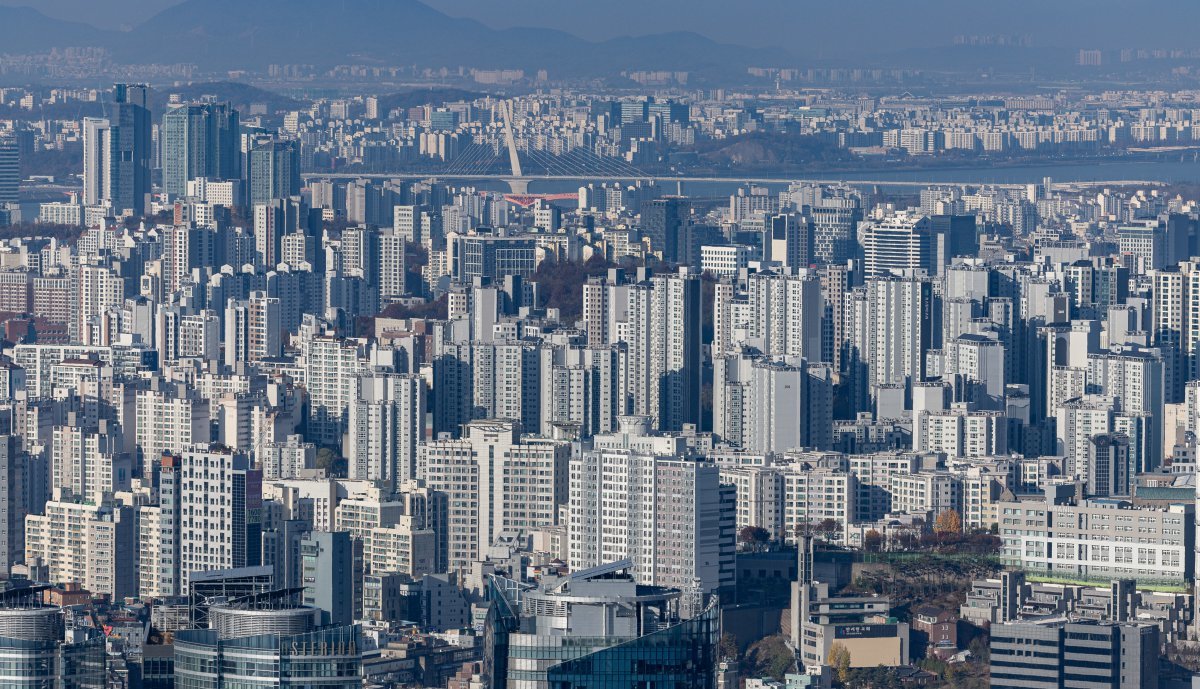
column 529, row 344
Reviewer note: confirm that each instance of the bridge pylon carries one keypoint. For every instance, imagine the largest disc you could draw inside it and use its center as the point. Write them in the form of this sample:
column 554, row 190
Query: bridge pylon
column 517, row 185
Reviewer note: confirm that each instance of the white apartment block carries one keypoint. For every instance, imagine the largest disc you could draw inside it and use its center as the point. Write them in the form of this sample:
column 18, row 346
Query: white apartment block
column 723, row 261
column 759, row 495
column 215, row 500
column 287, row 459
column 873, row 474
column 926, row 492
column 88, row 463
column 331, row 368
column 812, row 494
column 90, row 545
column 400, row 548
column 672, row 517
column 497, row 483
column 785, row 314
column 169, row 418
column 252, row 329
column 385, row 425
column 959, row 433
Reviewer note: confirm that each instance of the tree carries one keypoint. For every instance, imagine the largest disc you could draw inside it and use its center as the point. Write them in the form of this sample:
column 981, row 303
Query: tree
column 980, row 649
column 839, row 660
column 905, row 540
column 947, row 522
column 436, row 309
column 949, row 673
column 875, row 677
column 770, row 656
column 728, row 647
column 872, row 541
column 67, row 234
column 754, row 537
column 828, row 528
column 329, row 460
column 560, row 284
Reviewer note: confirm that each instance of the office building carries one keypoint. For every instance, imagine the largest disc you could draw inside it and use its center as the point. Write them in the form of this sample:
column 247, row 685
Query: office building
column 788, row 240
column 40, row 652
column 896, row 243
column 10, row 170
column 834, row 226
column 199, row 141
column 116, row 153
column 326, row 562
column 862, row 625
column 666, row 222
column 268, row 640
column 491, row 257
column 17, row 488
column 1100, row 539
column 1084, row 654
column 273, row 171
column 612, row 632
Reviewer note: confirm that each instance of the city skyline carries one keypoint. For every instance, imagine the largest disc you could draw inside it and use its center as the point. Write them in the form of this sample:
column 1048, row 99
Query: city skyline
column 382, row 344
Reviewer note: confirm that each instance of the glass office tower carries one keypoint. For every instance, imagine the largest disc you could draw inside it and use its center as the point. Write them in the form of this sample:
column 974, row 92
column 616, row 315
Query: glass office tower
column 37, row 652
column 596, row 629
column 268, row 640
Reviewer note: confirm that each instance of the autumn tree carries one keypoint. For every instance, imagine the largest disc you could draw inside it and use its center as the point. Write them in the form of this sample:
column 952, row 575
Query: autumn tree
column 754, row 537
column 947, row 522
column 839, row 660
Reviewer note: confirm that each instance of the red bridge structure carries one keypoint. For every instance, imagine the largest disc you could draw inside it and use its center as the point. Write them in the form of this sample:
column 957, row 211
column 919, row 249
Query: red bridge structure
column 527, row 200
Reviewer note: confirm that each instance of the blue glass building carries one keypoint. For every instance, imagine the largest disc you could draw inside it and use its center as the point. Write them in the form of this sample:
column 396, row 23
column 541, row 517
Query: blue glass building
column 266, row 640
column 37, row 652
column 596, row 629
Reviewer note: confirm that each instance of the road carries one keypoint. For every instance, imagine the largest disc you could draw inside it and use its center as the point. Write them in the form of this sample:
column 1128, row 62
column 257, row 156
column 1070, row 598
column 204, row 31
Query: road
column 669, row 179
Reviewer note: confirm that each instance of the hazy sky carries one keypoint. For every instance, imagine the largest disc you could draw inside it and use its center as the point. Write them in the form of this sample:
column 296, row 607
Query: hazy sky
column 105, row 14
column 834, row 24
column 808, row 26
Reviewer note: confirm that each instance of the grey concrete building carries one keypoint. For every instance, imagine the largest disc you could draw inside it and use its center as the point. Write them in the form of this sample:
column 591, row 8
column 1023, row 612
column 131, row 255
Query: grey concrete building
column 1080, row 655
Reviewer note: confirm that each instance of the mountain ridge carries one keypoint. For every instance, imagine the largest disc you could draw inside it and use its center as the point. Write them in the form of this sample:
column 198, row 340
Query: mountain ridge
column 231, row 34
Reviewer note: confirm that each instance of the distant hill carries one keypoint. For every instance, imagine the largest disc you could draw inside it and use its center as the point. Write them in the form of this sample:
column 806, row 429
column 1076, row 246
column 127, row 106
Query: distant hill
column 418, row 97
column 228, row 34
column 240, row 95
column 25, row 30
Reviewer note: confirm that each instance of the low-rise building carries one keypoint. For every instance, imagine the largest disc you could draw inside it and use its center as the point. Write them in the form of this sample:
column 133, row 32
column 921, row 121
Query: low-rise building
column 1083, row 655
column 1065, row 537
